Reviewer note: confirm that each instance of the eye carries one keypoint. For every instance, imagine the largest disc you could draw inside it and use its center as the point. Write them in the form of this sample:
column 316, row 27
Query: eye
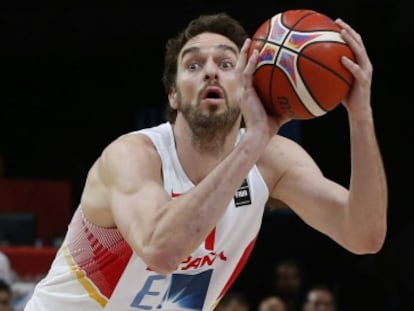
column 226, row 65
column 193, row 66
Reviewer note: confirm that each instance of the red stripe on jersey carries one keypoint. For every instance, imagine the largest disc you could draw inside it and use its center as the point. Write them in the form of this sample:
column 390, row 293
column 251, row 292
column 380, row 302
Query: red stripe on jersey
column 101, row 253
column 239, row 267
column 209, row 242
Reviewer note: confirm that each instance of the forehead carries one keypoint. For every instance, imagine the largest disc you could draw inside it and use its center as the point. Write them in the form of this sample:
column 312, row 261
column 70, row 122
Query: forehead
column 208, row 41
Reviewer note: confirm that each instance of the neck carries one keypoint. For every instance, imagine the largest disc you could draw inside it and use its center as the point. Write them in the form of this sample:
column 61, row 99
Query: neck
column 200, row 152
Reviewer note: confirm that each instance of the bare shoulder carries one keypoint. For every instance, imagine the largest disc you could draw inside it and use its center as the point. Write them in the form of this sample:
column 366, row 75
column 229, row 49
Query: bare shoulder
column 121, row 167
column 282, row 143
column 128, row 149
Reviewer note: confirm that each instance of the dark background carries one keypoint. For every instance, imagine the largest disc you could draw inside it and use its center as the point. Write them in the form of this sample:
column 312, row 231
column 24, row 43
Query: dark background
column 77, row 76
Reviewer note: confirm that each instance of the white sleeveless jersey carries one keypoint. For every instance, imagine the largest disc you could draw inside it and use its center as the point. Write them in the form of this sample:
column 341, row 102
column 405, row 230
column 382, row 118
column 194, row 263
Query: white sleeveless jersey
column 95, row 269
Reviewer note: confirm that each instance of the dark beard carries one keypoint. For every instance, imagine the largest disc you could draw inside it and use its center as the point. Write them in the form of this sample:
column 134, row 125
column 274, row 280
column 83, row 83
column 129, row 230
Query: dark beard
column 210, row 130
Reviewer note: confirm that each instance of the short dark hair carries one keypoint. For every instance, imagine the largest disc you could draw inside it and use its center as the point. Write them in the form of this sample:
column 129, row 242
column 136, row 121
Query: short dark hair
column 220, row 23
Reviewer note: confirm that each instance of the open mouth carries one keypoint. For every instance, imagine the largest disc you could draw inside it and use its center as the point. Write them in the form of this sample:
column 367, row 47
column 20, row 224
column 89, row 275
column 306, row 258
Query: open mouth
column 212, row 92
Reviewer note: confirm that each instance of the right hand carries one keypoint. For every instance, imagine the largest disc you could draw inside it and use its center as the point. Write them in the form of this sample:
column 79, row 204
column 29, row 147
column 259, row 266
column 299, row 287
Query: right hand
column 252, row 108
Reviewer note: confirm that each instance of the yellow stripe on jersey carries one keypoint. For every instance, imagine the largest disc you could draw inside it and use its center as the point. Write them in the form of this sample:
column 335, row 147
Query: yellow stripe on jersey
column 88, row 285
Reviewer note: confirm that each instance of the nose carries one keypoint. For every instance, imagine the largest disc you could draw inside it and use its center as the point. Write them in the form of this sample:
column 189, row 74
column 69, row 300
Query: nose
column 210, row 69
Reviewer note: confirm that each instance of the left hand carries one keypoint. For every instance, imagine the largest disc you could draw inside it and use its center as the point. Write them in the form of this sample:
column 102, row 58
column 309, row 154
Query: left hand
column 359, row 96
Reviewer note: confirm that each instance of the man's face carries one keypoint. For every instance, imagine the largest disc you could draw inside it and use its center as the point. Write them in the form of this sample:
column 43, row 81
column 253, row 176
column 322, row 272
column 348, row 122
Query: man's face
column 207, row 82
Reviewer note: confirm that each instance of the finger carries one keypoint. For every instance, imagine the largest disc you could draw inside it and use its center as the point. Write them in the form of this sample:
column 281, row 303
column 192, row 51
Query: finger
column 252, row 63
column 241, row 62
column 350, row 65
column 350, row 31
column 354, row 40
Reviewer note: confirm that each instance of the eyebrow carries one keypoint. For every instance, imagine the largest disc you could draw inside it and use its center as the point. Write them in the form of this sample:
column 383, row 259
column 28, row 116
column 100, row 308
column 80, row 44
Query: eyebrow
column 196, row 49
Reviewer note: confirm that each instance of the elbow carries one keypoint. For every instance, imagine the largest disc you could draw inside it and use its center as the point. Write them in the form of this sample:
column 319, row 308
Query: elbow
column 161, row 261
column 379, row 240
column 371, row 242
column 376, row 238
column 370, row 246
column 161, row 253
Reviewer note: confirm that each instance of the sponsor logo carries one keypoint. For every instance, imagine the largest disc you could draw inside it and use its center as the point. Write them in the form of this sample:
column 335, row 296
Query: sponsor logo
column 201, row 261
column 242, row 195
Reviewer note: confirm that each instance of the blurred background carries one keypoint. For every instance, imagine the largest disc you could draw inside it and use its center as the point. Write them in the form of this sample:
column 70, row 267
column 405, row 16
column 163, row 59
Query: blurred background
column 77, row 76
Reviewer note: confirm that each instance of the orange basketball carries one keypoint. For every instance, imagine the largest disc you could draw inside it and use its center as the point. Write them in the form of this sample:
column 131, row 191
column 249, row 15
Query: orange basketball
column 299, row 71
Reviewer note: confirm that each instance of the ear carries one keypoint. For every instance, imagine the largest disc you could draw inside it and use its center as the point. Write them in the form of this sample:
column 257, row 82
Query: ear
column 172, row 98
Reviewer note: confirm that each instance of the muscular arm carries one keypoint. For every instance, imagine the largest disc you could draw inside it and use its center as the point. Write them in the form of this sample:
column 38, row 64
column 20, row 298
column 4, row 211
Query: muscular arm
column 164, row 231
column 368, row 197
column 161, row 230
column 355, row 218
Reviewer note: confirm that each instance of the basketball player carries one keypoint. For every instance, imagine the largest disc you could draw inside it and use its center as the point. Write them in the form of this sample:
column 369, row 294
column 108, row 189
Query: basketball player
column 170, row 214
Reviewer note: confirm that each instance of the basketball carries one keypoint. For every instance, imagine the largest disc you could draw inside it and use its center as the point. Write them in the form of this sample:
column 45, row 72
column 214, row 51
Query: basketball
column 299, row 71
